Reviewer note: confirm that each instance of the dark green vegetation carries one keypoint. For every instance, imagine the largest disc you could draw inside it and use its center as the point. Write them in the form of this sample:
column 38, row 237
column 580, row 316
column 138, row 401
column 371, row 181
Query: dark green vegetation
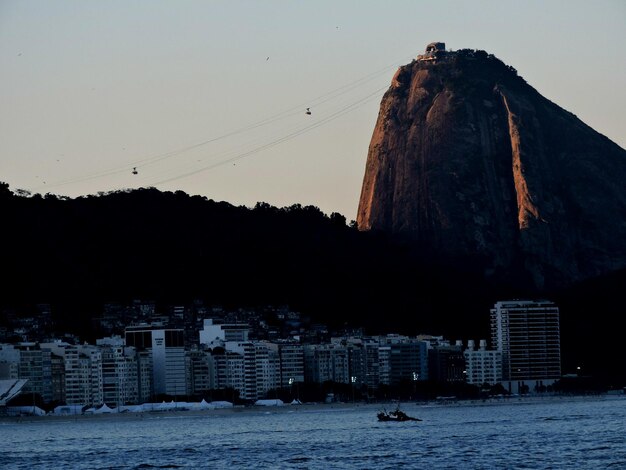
column 77, row 254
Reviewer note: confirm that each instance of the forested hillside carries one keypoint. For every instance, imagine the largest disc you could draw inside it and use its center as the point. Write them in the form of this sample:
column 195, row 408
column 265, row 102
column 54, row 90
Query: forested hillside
column 76, row 254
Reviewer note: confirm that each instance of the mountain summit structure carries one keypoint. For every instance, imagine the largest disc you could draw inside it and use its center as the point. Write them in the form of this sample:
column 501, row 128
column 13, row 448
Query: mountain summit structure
column 470, row 162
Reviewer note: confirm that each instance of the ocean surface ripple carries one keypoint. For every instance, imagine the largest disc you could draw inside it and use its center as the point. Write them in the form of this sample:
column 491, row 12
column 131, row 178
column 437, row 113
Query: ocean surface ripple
column 553, row 433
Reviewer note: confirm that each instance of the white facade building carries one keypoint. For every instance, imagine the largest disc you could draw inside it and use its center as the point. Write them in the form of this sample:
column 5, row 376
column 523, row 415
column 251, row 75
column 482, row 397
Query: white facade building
column 94, row 356
column 77, row 378
column 482, row 366
column 261, row 367
column 28, row 361
column 82, row 372
column 169, row 372
column 267, row 363
column 229, row 370
column 120, row 375
column 246, row 351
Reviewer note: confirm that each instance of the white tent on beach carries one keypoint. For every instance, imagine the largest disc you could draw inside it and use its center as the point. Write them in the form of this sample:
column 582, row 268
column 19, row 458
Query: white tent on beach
column 221, row 404
column 131, row 408
column 275, row 402
column 181, row 406
column 25, row 410
column 167, row 406
column 103, row 409
column 150, row 406
column 66, row 410
column 203, row 405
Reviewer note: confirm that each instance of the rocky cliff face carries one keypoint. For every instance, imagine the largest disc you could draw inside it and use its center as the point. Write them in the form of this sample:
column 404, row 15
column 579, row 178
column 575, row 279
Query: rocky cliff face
column 468, row 160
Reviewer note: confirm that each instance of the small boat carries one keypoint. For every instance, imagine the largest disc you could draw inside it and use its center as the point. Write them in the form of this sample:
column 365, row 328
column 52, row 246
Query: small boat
column 396, row 415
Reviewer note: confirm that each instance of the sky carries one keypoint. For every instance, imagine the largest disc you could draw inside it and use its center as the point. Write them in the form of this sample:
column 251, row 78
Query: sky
column 210, row 97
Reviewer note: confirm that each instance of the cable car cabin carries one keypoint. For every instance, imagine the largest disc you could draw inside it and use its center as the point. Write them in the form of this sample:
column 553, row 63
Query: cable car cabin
column 135, row 171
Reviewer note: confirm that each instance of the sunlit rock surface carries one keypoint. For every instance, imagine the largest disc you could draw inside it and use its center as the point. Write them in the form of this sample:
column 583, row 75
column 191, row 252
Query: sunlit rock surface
column 467, row 159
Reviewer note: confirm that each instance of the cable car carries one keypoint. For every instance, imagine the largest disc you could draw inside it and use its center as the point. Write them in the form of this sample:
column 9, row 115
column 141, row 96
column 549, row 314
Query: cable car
column 135, row 170
column 308, row 111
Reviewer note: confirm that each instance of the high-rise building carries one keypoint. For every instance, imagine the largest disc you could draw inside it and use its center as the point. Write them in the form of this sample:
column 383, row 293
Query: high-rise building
column 291, row 362
column 229, row 369
column 212, row 332
column 483, row 366
column 527, row 334
column 446, row 363
column 202, row 368
column 28, row 361
column 365, row 362
column 77, row 370
column 246, row 350
column 57, row 364
column 145, row 391
column 94, row 357
column 401, row 359
column 120, row 375
column 169, row 372
column 9, row 362
column 267, row 372
column 324, row 362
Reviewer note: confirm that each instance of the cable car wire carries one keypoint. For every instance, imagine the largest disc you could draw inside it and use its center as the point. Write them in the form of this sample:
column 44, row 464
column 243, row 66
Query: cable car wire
column 290, row 112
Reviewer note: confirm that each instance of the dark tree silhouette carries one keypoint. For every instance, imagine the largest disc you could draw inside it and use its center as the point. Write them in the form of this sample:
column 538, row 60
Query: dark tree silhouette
column 78, row 253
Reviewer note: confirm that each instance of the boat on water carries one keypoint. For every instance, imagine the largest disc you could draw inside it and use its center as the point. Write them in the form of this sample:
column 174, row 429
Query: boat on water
column 396, row 415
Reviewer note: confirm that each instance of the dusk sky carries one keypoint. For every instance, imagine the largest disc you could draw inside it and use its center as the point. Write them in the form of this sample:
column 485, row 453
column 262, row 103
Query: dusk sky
column 209, row 97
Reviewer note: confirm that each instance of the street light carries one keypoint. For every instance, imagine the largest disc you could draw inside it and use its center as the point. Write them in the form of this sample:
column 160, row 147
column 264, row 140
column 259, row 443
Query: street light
column 32, row 385
column 416, row 377
column 353, row 381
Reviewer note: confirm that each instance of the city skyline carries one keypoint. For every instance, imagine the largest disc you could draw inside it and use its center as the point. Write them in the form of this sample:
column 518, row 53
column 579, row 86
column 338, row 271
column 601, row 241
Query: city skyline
column 195, row 352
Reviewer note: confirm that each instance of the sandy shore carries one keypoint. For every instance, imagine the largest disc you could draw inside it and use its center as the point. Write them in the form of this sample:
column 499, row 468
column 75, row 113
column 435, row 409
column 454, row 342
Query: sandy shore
column 309, row 407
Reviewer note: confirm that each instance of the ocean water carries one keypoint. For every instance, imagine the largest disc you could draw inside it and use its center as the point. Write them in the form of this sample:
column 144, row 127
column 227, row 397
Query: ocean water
column 585, row 433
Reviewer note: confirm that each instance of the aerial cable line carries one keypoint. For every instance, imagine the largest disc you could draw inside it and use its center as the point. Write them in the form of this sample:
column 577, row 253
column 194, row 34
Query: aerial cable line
column 276, row 142
column 324, row 98
column 321, row 99
column 241, row 145
column 163, row 156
